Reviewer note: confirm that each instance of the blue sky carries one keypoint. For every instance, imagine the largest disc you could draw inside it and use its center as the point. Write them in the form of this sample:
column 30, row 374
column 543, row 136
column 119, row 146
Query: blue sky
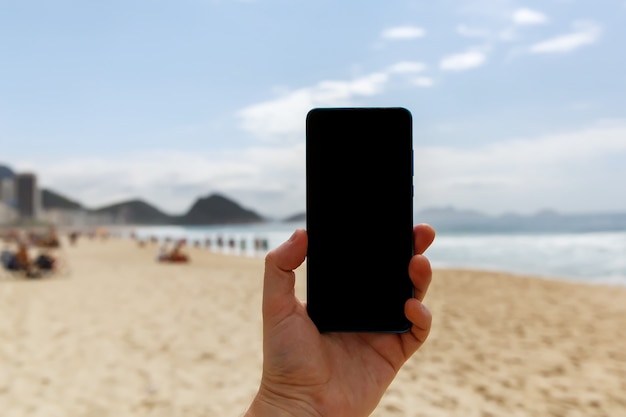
column 517, row 106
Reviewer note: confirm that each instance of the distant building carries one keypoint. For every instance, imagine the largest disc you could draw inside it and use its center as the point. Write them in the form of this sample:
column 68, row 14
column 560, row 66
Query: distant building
column 7, row 191
column 8, row 214
column 28, row 196
column 75, row 218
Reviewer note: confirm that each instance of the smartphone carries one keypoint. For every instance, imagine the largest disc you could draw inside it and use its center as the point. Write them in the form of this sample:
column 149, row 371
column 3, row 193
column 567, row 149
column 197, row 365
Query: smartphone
column 359, row 218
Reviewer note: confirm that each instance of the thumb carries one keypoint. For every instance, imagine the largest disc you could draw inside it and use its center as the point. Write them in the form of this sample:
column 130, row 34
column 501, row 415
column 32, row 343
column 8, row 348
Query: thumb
column 279, row 282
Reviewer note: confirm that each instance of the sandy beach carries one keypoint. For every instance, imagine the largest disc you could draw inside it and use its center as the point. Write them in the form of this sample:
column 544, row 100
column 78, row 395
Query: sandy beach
column 118, row 334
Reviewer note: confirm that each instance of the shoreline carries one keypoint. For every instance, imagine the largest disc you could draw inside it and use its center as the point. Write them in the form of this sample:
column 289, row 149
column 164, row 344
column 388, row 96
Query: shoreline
column 597, row 258
column 604, row 283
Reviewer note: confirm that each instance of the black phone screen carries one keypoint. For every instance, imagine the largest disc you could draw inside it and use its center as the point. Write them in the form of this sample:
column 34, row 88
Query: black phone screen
column 359, row 214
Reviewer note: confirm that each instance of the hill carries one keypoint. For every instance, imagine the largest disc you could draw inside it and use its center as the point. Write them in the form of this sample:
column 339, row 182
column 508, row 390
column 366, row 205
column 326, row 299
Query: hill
column 54, row 200
column 134, row 212
column 213, row 209
column 6, row 172
column 298, row 217
column 449, row 219
column 217, row 209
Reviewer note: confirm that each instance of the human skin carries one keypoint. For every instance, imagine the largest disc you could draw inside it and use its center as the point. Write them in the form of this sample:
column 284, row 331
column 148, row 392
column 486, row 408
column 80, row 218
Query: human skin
column 306, row 373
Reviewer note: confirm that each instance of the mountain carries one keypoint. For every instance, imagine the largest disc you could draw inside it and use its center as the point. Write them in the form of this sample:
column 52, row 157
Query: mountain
column 53, row 200
column 449, row 219
column 6, row 172
column 214, row 209
column 134, row 212
column 298, row 217
column 217, row 209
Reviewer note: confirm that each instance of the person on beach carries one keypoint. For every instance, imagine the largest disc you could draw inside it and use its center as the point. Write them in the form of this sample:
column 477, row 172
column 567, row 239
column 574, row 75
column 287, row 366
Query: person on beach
column 22, row 258
column 306, row 373
column 163, row 253
column 23, row 261
column 50, row 239
column 7, row 258
column 73, row 237
column 45, row 262
column 175, row 255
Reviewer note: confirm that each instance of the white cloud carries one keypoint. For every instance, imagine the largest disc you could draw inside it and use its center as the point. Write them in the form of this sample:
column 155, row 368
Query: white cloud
column 406, row 67
column 529, row 17
column 403, row 32
column 267, row 179
column 281, row 119
column 423, row 81
column 462, row 61
column 583, row 34
column 527, row 174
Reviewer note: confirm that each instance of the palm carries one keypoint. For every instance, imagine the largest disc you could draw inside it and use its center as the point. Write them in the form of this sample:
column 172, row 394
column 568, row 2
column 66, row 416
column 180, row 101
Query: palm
column 339, row 373
column 343, row 371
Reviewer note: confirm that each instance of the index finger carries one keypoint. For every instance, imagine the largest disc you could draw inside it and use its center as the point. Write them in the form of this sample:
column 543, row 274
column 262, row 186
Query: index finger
column 423, row 235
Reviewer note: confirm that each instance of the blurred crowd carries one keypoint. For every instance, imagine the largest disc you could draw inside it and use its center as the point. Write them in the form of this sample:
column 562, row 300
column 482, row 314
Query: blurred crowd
column 30, row 253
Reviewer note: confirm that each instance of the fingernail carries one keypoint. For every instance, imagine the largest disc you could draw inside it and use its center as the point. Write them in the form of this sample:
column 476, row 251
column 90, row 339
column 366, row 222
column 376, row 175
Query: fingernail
column 293, row 236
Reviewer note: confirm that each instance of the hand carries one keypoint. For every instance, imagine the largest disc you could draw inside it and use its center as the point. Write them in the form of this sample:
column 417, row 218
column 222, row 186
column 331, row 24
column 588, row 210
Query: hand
column 306, row 373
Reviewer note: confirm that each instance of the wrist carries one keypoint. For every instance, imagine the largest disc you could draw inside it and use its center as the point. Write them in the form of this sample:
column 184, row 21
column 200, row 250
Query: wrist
column 267, row 404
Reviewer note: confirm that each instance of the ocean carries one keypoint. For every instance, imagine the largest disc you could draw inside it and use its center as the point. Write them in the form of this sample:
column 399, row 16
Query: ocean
column 596, row 257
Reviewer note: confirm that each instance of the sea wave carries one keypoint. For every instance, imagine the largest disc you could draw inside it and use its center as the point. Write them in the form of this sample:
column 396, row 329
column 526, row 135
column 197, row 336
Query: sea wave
column 598, row 258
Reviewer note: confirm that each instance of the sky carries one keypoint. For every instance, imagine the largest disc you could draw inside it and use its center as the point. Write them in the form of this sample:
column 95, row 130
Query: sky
column 518, row 106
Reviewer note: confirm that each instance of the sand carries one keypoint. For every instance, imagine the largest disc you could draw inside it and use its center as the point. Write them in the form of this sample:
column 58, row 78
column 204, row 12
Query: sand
column 118, row 334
